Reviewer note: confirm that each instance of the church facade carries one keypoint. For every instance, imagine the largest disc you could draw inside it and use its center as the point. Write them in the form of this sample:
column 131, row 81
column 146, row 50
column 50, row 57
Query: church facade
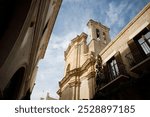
column 105, row 69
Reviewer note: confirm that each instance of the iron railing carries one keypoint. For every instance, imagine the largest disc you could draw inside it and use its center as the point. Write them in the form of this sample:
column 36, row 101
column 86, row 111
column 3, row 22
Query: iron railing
column 109, row 76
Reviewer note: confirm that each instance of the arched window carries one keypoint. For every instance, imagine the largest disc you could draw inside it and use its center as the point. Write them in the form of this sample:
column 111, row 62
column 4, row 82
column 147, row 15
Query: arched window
column 98, row 33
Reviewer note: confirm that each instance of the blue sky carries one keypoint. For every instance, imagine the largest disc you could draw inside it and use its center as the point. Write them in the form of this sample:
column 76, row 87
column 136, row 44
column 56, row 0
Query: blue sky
column 71, row 21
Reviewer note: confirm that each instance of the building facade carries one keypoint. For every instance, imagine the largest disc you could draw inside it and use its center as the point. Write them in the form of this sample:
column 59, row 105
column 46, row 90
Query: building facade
column 119, row 69
column 26, row 26
column 48, row 97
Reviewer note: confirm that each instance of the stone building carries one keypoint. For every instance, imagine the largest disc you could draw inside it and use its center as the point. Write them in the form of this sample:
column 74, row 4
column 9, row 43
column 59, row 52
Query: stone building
column 104, row 69
column 25, row 29
column 48, row 97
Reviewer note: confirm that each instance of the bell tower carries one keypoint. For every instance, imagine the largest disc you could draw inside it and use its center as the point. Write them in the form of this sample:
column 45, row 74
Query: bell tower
column 99, row 36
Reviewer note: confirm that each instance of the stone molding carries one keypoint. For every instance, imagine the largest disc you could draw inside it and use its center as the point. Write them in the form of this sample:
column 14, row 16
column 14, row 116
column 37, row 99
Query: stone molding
column 78, row 71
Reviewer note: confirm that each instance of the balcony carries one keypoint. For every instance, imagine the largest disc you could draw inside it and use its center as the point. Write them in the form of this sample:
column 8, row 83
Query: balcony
column 113, row 78
column 138, row 65
column 139, row 56
column 114, row 83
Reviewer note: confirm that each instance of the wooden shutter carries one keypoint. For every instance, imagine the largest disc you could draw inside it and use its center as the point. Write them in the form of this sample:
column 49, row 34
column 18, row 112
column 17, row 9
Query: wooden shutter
column 135, row 51
column 106, row 73
column 120, row 64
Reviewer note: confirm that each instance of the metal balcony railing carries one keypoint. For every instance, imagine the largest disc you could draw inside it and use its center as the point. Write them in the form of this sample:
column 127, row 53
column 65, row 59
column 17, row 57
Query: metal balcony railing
column 111, row 75
column 138, row 62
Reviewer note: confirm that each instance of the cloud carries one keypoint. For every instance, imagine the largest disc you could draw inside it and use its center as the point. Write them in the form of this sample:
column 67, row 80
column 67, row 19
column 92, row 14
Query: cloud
column 71, row 21
column 75, row 17
column 76, row 1
column 52, row 66
column 114, row 12
column 62, row 43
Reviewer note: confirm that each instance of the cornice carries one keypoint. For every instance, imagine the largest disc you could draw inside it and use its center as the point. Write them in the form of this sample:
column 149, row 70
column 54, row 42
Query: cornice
column 74, row 72
column 78, row 71
column 59, row 92
column 88, row 63
column 91, row 75
column 92, row 22
column 74, row 83
column 77, row 39
column 126, row 28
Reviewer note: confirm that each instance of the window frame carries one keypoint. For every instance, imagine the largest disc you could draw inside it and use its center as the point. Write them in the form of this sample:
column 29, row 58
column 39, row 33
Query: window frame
column 143, row 41
column 113, row 68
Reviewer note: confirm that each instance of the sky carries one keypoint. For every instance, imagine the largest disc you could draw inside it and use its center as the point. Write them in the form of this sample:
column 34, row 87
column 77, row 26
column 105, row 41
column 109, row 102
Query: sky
column 72, row 21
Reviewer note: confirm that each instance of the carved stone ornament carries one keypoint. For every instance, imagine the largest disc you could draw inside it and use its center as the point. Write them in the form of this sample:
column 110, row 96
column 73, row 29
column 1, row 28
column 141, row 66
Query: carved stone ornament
column 99, row 71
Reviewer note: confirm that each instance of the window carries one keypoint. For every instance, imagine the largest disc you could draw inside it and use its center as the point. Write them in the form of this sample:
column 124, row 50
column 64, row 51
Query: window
column 98, row 33
column 144, row 42
column 113, row 68
column 104, row 37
